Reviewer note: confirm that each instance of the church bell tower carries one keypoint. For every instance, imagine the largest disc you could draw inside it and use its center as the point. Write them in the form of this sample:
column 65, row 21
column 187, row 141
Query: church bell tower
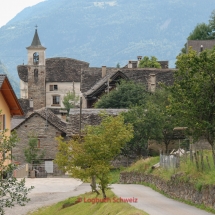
column 37, row 72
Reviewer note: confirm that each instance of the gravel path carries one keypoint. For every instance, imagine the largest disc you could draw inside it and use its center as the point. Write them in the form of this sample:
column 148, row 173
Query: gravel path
column 49, row 191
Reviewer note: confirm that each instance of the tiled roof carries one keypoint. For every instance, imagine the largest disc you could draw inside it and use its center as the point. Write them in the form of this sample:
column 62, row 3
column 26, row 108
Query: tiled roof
column 51, row 118
column 2, row 77
column 10, row 96
column 196, row 44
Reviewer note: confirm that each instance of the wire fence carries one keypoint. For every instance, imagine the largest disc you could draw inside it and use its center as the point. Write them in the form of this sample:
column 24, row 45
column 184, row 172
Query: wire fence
column 169, row 161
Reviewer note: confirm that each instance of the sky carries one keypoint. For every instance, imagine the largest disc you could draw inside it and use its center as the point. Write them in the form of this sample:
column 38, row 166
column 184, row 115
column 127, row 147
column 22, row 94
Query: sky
column 10, row 8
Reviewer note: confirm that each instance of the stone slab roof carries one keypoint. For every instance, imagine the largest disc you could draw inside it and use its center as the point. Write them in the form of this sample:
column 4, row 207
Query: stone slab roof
column 92, row 75
column 58, row 70
column 50, row 116
column 95, row 111
column 25, row 104
column 15, row 122
column 196, row 44
column 102, row 84
column 92, row 78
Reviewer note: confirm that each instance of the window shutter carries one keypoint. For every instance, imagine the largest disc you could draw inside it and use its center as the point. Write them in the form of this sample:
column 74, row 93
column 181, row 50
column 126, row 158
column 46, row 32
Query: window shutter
column 51, row 87
column 4, row 122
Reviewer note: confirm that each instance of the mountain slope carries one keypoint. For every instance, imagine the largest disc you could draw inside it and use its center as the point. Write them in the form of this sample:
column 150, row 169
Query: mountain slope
column 103, row 33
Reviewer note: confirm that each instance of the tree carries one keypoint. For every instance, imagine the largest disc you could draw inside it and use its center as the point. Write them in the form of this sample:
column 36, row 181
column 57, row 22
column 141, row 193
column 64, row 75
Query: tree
column 33, row 153
column 92, row 154
column 201, row 32
column 212, row 21
column 118, row 65
column 193, row 94
column 70, row 100
column 162, row 121
column 149, row 63
column 125, row 95
column 151, row 122
column 11, row 191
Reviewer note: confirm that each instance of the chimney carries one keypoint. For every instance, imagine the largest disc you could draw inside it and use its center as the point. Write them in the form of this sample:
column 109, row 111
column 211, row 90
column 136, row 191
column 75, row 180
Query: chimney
column 104, row 71
column 130, row 66
column 152, row 83
column 31, row 105
column 139, row 58
column 201, row 48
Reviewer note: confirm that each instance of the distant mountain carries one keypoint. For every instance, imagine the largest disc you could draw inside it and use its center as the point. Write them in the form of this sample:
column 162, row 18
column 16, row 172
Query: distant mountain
column 103, row 32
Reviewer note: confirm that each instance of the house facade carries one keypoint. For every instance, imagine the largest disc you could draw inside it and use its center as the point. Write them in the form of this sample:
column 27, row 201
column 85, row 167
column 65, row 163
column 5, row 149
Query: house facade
column 9, row 106
column 45, row 126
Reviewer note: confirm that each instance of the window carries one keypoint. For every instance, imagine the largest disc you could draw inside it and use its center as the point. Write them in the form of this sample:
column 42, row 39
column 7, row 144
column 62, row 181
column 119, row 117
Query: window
column 36, row 58
column 38, row 143
column 35, row 75
column 56, row 100
column 53, row 87
column 2, row 122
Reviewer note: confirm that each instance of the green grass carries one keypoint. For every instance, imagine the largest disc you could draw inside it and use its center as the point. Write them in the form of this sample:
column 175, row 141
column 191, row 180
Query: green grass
column 187, row 170
column 143, row 165
column 83, row 207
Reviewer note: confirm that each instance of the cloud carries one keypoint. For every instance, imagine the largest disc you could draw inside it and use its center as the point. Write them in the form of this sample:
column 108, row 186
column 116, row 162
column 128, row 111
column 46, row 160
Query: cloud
column 103, row 4
column 165, row 24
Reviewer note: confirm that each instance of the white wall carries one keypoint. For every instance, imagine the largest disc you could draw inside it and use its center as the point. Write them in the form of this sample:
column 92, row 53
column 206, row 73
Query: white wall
column 23, row 90
column 63, row 88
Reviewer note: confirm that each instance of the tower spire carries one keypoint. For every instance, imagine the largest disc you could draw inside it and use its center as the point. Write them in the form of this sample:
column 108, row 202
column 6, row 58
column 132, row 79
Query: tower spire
column 36, row 39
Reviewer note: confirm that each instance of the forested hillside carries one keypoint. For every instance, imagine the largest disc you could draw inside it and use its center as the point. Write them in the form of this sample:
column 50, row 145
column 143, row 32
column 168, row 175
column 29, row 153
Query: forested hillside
column 103, row 33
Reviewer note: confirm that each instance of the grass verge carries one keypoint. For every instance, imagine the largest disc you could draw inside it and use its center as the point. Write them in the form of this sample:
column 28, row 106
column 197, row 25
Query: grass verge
column 79, row 206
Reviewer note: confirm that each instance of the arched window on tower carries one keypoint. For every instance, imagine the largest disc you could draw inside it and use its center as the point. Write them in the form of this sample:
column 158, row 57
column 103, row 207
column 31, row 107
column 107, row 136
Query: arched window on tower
column 36, row 58
column 35, row 75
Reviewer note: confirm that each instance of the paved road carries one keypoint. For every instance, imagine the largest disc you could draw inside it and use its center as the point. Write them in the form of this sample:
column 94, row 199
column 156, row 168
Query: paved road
column 48, row 191
column 153, row 202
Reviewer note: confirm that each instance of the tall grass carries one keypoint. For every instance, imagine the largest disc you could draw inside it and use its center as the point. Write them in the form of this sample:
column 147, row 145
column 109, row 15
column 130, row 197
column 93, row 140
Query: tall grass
column 187, row 170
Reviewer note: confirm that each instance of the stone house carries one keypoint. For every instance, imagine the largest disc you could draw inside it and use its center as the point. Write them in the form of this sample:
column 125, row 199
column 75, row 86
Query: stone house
column 97, row 81
column 200, row 45
column 46, row 81
column 45, row 126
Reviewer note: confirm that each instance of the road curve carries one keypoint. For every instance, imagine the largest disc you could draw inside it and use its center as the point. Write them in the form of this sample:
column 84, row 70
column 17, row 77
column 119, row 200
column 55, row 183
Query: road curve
column 153, row 202
column 49, row 191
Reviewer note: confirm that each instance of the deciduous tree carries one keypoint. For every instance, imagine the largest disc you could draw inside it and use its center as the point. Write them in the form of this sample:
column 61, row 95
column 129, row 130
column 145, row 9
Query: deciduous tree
column 92, row 155
column 193, row 94
column 33, row 153
column 146, row 62
column 126, row 94
column 70, row 100
column 12, row 192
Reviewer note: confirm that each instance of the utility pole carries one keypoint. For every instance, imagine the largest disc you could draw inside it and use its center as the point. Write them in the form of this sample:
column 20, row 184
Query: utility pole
column 108, row 82
column 80, row 116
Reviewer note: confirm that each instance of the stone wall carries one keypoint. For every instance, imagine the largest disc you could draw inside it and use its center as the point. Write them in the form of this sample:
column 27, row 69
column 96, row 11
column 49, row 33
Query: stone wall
column 35, row 125
column 175, row 188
